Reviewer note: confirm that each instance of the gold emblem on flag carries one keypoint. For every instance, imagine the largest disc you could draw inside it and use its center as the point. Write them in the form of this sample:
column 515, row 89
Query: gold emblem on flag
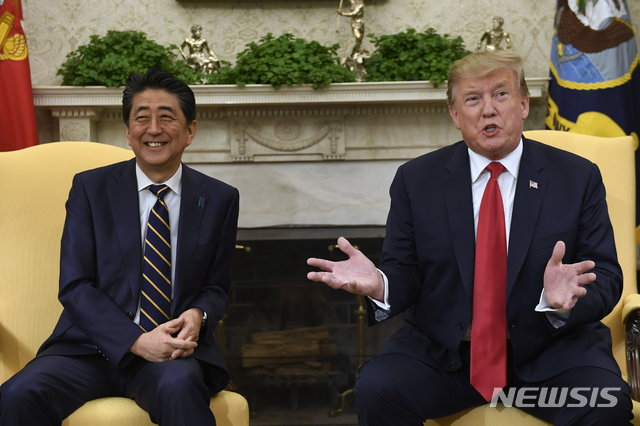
column 13, row 48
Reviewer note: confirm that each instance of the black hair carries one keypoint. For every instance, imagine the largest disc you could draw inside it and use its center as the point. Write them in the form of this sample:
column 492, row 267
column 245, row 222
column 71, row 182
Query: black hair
column 156, row 78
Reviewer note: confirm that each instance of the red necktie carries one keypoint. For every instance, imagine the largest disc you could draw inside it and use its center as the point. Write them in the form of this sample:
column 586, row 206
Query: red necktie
column 489, row 322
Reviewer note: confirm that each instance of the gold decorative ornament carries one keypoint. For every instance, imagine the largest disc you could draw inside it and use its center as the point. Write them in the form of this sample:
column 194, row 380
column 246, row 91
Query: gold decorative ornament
column 355, row 61
column 13, row 48
column 195, row 50
column 493, row 37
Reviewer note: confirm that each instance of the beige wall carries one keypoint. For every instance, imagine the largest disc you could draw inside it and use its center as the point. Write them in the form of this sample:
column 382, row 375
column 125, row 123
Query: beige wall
column 294, row 193
column 56, row 27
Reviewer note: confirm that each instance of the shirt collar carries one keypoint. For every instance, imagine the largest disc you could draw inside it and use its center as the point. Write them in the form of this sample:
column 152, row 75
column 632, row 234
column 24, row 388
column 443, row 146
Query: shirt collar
column 174, row 182
column 511, row 162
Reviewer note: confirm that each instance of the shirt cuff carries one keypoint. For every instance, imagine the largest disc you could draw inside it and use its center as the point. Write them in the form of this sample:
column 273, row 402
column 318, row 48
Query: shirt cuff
column 382, row 309
column 557, row 317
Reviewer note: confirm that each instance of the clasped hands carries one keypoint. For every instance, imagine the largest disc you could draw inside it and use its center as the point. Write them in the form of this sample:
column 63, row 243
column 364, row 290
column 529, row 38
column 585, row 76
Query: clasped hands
column 564, row 284
column 160, row 345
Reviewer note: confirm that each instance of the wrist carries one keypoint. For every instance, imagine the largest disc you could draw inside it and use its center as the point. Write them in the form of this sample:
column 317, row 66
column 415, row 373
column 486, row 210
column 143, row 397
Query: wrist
column 379, row 293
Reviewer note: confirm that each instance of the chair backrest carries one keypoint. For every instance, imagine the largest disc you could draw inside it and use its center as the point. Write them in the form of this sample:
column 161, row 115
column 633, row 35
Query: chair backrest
column 34, row 186
column 616, row 159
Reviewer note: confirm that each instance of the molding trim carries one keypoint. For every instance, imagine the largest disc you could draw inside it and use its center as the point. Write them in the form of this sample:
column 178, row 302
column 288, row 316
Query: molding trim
column 259, row 94
column 256, row 123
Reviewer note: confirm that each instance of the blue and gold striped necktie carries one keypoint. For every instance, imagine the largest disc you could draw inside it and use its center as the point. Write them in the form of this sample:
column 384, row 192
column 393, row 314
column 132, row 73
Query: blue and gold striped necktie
column 155, row 303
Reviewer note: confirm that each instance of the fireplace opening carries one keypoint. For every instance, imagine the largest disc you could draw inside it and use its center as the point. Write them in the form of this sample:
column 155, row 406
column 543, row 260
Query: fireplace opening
column 292, row 344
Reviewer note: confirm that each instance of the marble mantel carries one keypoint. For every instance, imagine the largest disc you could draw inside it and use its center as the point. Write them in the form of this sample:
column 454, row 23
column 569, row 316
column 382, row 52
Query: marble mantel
column 300, row 157
column 255, row 123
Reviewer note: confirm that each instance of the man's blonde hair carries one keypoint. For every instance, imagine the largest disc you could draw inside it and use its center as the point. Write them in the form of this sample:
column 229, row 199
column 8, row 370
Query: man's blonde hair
column 482, row 63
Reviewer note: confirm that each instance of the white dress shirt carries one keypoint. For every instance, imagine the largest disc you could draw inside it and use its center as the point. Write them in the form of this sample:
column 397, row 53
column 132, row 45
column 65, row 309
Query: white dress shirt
column 146, row 201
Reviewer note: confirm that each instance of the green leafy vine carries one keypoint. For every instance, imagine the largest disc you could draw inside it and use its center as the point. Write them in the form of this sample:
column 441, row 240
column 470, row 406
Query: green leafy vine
column 109, row 60
column 286, row 60
column 412, row 56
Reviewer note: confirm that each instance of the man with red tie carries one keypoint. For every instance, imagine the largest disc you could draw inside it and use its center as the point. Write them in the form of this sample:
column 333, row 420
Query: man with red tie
column 502, row 250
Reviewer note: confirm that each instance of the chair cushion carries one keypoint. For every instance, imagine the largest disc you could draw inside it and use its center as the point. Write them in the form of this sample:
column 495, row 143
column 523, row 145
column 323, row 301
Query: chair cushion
column 230, row 409
column 502, row 416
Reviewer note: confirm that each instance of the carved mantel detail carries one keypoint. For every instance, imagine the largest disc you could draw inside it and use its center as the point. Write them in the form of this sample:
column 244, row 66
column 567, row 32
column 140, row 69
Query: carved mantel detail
column 255, row 123
column 77, row 123
column 300, row 138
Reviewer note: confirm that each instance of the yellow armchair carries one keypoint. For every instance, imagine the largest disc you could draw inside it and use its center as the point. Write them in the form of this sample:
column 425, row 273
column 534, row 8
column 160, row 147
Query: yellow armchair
column 616, row 159
column 34, row 186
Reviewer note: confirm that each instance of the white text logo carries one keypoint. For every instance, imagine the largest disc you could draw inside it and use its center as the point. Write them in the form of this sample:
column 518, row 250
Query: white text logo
column 556, row 397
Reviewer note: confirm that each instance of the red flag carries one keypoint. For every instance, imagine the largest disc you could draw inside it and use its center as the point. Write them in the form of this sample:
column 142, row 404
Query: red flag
column 17, row 115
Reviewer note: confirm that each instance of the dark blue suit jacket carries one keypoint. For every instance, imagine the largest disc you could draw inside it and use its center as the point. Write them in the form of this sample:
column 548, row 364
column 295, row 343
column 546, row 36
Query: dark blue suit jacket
column 429, row 249
column 101, row 263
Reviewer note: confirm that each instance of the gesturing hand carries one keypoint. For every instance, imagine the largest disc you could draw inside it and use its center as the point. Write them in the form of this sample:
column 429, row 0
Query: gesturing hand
column 564, row 284
column 357, row 275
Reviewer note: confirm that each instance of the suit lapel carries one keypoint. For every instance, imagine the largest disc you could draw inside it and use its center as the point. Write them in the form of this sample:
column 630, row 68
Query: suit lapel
column 193, row 203
column 123, row 195
column 459, row 204
column 530, row 189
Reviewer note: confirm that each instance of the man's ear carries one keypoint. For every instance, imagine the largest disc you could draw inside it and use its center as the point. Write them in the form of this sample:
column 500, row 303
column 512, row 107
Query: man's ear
column 128, row 133
column 453, row 112
column 524, row 103
column 191, row 130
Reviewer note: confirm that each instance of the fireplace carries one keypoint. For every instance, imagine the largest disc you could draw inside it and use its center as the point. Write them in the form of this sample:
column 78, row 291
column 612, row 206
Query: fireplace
column 271, row 294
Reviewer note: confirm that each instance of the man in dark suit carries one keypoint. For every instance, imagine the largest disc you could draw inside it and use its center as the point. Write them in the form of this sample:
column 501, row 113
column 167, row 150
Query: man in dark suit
column 561, row 274
column 99, row 347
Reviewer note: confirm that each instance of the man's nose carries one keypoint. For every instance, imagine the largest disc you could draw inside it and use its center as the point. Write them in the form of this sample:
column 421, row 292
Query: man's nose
column 488, row 108
column 154, row 126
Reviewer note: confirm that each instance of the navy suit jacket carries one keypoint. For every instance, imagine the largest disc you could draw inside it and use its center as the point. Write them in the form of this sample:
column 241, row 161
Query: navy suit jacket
column 429, row 249
column 101, row 264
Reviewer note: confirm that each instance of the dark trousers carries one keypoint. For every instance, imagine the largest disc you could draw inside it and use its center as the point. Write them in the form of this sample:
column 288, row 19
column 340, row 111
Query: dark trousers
column 50, row 388
column 398, row 390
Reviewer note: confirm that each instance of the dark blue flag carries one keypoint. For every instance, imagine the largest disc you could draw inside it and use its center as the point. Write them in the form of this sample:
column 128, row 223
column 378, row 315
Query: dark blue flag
column 595, row 77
